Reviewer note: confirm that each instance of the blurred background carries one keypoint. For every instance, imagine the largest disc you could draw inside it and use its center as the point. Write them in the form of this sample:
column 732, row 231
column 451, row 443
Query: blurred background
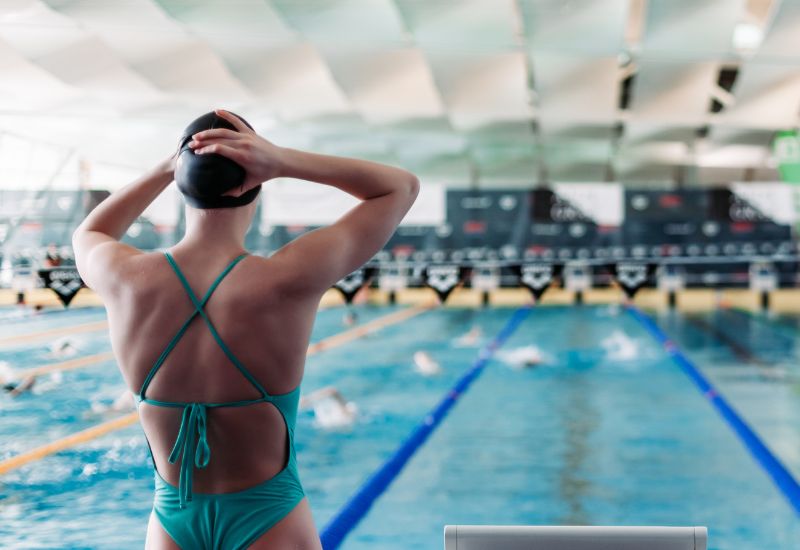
column 561, row 129
column 591, row 153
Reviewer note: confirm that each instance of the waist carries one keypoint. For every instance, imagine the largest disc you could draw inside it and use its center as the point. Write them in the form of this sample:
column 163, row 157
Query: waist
column 284, row 485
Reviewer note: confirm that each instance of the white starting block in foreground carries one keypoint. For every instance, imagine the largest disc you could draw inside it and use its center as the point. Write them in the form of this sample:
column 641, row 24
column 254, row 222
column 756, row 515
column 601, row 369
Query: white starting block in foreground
column 511, row 537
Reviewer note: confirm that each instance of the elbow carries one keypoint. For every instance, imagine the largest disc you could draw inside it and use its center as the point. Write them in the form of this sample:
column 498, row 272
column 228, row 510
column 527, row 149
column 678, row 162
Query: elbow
column 413, row 187
column 76, row 236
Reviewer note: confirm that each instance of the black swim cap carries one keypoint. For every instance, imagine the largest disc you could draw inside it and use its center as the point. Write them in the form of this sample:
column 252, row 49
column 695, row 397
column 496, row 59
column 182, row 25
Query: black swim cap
column 204, row 178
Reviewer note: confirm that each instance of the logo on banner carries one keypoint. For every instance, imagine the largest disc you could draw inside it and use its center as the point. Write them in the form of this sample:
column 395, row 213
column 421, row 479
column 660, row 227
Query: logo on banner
column 65, row 282
column 537, row 277
column 352, row 283
column 443, row 279
column 632, row 276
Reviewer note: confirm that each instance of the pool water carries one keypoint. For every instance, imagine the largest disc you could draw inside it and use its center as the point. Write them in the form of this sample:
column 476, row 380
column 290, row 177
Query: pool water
column 608, row 431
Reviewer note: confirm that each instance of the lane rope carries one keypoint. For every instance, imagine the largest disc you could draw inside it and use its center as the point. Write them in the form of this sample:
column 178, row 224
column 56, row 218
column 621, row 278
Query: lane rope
column 118, row 423
column 742, row 352
column 781, row 329
column 66, row 442
column 70, row 364
column 352, row 334
column 95, row 326
column 779, row 474
column 354, row 510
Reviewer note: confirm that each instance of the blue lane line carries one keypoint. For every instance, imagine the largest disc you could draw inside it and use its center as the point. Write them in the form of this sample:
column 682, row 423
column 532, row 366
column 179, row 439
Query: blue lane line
column 782, row 478
column 361, row 501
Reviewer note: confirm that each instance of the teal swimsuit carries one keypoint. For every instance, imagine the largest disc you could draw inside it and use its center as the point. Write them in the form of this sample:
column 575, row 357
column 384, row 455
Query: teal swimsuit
column 219, row 520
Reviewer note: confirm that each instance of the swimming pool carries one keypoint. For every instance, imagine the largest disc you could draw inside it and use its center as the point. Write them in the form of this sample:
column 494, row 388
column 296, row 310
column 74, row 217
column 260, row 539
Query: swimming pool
column 607, row 431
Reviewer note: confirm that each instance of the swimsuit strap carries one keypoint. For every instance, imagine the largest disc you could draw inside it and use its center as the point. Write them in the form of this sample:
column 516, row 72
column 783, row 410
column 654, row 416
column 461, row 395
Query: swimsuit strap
column 191, row 446
column 199, row 310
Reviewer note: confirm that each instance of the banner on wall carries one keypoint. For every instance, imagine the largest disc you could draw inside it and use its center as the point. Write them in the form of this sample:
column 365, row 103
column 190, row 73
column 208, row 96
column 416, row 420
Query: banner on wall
column 601, row 203
column 296, row 202
column 774, row 201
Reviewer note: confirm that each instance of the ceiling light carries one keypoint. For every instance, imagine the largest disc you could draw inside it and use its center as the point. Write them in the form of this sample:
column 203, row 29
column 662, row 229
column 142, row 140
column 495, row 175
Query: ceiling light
column 747, row 36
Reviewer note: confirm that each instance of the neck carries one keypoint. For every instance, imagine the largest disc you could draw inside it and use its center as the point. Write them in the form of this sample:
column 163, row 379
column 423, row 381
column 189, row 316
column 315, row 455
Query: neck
column 215, row 229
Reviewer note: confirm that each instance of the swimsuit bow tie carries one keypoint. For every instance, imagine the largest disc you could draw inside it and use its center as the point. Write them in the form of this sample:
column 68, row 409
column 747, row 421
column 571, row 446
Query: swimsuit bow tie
column 192, row 447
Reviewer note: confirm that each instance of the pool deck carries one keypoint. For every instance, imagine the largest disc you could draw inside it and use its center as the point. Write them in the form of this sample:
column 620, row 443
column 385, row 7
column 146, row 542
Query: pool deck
column 687, row 300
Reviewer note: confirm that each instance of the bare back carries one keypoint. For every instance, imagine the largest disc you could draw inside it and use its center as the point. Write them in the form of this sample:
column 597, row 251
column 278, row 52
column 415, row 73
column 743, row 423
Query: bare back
column 266, row 328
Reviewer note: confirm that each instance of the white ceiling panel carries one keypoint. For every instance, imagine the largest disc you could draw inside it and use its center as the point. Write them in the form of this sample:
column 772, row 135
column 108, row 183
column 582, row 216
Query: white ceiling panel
column 482, row 88
column 92, row 66
column 578, row 172
column 244, row 37
column 194, row 71
column 655, row 153
column 386, row 85
column 781, row 36
column 690, row 29
column 727, row 135
column 570, row 88
column 294, row 82
column 673, row 92
column 576, row 151
column 767, row 96
column 25, row 86
column 461, row 90
column 157, row 47
column 469, row 24
column 637, row 132
column 344, row 21
column 423, row 140
column 138, row 30
column 35, row 30
column 593, row 27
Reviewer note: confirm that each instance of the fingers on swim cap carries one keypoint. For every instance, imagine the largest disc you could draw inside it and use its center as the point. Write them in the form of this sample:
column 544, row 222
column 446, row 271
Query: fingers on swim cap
column 202, row 179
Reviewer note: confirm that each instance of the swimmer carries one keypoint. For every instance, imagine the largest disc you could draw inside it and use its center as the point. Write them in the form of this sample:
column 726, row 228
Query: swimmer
column 62, row 348
column 524, row 357
column 470, row 339
column 350, row 318
column 125, row 402
column 425, row 364
column 331, row 409
column 10, row 383
column 236, row 425
column 620, row 347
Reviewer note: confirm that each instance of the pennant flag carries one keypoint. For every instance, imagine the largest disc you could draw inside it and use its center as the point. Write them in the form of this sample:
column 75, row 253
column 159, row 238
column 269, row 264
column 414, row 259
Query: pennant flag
column 64, row 281
column 632, row 276
column 352, row 283
column 443, row 279
column 537, row 277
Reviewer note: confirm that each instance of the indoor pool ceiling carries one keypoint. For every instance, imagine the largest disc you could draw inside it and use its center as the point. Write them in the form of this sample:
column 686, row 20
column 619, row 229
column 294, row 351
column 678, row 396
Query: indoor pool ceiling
column 498, row 92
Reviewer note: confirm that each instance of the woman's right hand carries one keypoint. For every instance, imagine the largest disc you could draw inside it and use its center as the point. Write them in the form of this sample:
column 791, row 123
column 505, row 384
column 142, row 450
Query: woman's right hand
column 261, row 159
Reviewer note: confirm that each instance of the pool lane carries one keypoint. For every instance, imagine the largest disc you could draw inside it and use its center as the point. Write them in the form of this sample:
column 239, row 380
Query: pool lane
column 599, row 437
column 47, row 321
column 62, row 403
column 767, row 394
column 110, row 479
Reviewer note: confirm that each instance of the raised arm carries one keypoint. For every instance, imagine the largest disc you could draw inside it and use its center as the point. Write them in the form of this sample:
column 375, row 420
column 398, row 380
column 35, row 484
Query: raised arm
column 99, row 255
column 323, row 256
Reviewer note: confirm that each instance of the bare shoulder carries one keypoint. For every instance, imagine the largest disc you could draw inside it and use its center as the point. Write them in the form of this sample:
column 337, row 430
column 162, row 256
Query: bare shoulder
column 275, row 279
column 141, row 275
